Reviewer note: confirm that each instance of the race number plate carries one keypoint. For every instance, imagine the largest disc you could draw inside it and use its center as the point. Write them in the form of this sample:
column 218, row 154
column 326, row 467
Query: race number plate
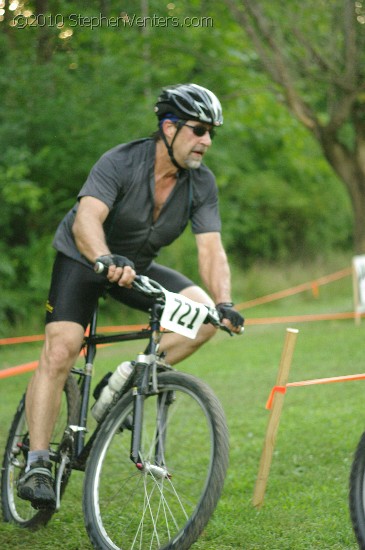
column 183, row 315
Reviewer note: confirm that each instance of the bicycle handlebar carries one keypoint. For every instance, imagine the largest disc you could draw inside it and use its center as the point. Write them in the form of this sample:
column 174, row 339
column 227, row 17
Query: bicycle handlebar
column 142, row 283
column 153, row 289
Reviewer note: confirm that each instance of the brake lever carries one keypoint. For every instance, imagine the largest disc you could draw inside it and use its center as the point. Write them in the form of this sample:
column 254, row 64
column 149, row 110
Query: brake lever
column 213, row 317
column 226, row 329
column 143, row 284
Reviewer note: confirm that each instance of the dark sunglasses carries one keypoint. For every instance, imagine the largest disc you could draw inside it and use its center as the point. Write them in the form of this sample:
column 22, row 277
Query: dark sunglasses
column 201, row 130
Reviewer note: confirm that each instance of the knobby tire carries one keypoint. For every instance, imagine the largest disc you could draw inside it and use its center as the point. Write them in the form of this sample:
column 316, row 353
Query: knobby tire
column 357, row 493
column 185, row 454
column 14, row 509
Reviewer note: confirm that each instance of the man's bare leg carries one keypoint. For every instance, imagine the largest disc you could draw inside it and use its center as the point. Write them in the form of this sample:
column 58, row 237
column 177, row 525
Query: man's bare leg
column 60, row 351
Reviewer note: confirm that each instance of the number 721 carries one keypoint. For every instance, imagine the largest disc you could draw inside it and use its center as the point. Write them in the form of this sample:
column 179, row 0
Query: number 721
column 186, row 317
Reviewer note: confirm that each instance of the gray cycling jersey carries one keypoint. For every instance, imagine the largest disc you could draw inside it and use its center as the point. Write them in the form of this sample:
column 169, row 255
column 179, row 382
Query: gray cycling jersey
column 123, row 178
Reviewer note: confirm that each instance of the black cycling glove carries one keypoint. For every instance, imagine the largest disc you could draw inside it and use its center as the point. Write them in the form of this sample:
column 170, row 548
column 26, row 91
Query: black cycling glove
column 115, row 259
column 226, row 312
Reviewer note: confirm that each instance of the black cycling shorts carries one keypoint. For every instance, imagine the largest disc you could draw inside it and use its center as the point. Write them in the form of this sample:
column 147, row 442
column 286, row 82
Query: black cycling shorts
column 76, row 288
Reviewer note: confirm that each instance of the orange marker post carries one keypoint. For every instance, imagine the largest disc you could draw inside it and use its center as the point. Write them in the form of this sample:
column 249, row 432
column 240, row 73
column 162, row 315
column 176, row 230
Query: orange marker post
column 274, row 419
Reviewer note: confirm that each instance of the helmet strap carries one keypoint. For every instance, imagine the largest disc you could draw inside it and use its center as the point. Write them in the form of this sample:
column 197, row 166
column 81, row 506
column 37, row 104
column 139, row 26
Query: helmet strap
column 179, row 125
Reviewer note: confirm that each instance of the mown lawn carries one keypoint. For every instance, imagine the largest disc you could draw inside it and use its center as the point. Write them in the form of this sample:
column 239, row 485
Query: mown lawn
column 306, row 503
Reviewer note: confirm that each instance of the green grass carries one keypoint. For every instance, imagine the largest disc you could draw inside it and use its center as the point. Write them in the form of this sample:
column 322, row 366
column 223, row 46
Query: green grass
column 306, row 502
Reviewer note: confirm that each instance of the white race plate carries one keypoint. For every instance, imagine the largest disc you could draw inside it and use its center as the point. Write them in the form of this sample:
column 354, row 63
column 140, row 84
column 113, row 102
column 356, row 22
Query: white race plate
column 183, row 315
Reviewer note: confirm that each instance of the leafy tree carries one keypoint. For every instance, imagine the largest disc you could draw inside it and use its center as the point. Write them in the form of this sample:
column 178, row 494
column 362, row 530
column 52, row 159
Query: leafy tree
column 70, row 92
column 314, row 52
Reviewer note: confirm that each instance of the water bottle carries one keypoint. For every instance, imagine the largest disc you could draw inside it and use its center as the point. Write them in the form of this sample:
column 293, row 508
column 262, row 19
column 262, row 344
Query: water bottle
column 115, row 384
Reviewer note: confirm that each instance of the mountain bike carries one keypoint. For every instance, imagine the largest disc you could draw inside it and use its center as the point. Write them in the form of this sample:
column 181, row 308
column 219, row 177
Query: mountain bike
column 357, row 493
column 156, row 462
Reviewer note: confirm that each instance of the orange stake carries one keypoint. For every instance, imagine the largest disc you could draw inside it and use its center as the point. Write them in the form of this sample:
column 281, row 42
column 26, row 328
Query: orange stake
column 274, row 419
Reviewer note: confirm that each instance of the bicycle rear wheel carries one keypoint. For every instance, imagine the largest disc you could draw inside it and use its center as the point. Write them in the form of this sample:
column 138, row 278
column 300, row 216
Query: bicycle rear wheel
column 168, row 502
column 14, row 509
column 357, row 493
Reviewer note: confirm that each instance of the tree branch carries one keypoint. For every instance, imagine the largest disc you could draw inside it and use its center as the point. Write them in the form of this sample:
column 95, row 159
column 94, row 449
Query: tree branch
column 350, row 53
column 335, row 78
column 263, row 38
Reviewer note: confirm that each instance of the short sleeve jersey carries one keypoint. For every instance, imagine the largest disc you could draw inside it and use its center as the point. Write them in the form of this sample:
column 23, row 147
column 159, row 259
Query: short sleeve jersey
column 123, row 178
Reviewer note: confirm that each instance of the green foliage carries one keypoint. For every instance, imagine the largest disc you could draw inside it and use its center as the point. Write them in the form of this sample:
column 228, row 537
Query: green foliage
column 279, row 198
column 19, row 196
column 67, row 102
column 20, row 200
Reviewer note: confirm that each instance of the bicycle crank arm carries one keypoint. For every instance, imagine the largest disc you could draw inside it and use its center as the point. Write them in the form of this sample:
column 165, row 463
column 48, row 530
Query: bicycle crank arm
column 64, row 461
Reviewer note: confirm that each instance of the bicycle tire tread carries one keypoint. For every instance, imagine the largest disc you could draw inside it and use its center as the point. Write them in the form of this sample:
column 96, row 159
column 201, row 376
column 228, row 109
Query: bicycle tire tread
column 40, row 517
column 199, row 519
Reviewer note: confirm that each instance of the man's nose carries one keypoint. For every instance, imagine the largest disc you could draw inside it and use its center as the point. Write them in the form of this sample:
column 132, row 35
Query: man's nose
column 206, row 139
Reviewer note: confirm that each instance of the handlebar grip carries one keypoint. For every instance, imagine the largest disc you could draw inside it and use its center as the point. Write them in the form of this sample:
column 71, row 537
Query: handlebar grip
column 100, row 268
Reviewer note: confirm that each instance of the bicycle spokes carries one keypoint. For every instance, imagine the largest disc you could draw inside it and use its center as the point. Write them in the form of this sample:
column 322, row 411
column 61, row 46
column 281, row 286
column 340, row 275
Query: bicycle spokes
column 171, row 492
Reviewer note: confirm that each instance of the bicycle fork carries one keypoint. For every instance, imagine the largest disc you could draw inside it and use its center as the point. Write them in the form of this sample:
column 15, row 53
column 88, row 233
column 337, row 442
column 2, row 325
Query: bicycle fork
column 144, row 365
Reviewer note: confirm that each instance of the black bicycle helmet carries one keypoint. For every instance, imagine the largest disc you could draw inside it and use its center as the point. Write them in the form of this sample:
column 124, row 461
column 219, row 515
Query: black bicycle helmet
column 190, row 102
column 187, row 102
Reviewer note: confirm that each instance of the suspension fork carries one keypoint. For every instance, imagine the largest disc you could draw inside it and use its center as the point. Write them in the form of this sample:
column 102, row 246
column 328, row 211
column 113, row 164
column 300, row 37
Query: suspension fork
column 164, row 400
column 163, row 403
column 143, row 366
column 157, row 467
column 146, row 370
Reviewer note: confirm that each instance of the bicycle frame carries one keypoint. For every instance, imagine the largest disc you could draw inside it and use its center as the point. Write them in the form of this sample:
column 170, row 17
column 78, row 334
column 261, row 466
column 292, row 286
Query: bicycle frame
column 141, row 380
column 73, row 451
column 133, row 454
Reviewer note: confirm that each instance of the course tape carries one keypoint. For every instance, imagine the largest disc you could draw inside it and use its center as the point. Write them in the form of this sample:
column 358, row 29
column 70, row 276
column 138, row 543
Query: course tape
column 40, row 337
column 304, row 318
column 27, row 367
column 312, row 285
column 282, row 389
column 20, row 369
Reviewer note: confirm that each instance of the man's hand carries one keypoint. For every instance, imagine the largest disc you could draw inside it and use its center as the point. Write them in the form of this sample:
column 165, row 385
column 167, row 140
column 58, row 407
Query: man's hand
column 121, row 270
column 230, row 317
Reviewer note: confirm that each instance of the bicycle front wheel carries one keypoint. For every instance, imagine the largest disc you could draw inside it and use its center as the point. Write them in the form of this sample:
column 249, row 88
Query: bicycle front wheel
column 167, row 500
column 15, row 509
column 357, row 493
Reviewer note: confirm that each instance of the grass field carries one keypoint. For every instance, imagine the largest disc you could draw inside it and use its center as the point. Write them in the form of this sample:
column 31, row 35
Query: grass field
column 306, row 500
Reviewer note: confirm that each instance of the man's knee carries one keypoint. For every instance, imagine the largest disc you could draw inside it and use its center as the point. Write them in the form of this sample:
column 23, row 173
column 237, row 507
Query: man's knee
column 62, row 346
column 198, row 295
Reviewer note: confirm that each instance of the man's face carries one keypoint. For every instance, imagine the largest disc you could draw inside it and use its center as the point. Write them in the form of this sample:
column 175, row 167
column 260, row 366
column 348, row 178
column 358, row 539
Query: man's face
column 189, row 148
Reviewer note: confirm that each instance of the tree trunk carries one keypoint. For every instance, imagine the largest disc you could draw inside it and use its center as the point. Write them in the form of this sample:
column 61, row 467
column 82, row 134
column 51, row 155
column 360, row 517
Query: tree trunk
column 340, row 77
column 350, row 167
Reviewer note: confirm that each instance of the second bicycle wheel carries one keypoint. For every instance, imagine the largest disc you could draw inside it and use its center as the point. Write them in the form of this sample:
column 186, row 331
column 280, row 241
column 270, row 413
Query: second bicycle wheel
column 14, row 509
column 357, row 493
column 167, row 503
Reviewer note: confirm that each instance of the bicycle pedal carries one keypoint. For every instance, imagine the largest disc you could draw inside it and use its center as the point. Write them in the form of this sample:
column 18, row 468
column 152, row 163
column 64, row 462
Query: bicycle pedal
column 44, row 507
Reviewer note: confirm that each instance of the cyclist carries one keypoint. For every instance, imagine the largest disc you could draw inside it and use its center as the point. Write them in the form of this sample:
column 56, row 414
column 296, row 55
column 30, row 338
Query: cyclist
column 137, row 198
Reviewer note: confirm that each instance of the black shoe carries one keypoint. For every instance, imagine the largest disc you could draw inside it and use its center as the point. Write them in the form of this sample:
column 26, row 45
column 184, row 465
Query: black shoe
column 37, row 485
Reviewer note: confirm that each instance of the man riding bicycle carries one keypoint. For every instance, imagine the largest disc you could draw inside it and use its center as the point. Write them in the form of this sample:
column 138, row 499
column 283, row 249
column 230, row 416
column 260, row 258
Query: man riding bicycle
column 138, row 197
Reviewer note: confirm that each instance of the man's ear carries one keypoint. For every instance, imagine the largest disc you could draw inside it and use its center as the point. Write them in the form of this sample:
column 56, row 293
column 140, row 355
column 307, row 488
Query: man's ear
column 169, row 128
